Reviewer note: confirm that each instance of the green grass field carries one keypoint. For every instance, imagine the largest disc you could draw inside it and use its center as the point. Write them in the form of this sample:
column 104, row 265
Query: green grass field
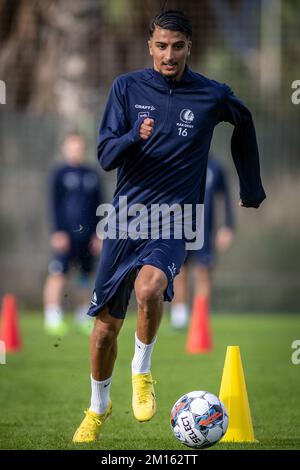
column 45, row 388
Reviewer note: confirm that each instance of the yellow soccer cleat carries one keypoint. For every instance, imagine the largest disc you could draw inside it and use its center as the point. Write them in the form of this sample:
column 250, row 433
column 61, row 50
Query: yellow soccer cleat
column 143, row 396
column 91, row 425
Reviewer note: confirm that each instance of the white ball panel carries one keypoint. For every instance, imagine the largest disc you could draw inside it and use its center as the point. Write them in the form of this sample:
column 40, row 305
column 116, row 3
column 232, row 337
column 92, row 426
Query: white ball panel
column 212, row 399
column 199, row 406
column 196, row 394
column 214, row 434
column 225, row 422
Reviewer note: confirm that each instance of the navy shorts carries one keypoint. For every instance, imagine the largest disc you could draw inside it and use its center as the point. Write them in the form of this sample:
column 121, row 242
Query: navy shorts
column 119, row 264
column 79, row 254
column 204, row 256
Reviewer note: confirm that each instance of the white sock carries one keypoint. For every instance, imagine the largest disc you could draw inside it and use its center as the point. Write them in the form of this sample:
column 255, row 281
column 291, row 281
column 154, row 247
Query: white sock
column 53, row 315
column 100, row 395
column 141, row 361
column 179, row 315
column 81, row 315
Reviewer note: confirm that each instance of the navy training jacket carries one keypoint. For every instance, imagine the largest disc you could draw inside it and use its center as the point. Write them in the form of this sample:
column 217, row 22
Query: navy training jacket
column 170, row 167
column 75, row 194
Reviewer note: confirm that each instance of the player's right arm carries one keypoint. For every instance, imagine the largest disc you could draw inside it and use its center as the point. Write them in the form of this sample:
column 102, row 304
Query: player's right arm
column 115, row 134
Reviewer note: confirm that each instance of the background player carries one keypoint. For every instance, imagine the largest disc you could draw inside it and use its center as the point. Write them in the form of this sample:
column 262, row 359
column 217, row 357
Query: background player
column 74, row 197
column 204, row 259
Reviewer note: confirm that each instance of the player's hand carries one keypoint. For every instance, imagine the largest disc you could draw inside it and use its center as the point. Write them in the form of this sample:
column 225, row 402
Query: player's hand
column 146, row 128
column 249, row 204
column 95, row 245
column 60, row 241
column 224, row 239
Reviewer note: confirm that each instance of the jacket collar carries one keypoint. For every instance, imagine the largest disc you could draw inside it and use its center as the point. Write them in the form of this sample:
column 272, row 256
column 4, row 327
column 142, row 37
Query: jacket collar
column 188, row 77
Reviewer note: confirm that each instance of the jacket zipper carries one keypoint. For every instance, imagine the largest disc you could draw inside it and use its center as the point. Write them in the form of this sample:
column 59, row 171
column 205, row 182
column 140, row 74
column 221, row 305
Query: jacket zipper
column 168, row 122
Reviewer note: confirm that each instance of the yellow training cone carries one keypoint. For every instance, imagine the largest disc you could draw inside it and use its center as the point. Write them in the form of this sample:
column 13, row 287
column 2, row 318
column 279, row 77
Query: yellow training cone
column 233, row 394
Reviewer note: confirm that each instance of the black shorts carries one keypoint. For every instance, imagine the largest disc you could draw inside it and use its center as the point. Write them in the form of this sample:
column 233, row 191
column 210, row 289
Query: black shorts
column 79, row 255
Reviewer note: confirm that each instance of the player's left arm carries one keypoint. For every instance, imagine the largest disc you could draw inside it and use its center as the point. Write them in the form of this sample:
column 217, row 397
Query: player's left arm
column 244, row 149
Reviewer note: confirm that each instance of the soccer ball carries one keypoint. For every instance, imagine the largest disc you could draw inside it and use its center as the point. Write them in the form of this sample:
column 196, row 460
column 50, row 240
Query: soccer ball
column 199, row 419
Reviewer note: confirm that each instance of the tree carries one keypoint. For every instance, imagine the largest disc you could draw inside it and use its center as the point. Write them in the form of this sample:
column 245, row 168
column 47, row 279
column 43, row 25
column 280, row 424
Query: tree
column 49, row 54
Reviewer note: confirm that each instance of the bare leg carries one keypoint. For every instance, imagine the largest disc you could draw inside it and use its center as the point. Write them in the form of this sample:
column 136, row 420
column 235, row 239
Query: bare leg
column 179, row 308
column 180, row 287
column 103, row 345
column 103, row 352
column 53, row 313
column 83, row 295
column 53, row 289
column 149, row 286
column 203, row 282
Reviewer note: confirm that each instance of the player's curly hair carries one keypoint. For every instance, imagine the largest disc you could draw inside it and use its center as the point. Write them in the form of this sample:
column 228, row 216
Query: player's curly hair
column 174, row 20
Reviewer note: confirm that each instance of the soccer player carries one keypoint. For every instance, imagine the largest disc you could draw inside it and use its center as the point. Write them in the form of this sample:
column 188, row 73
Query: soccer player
column 204, row 259
column 156, row 130
column 74, row 197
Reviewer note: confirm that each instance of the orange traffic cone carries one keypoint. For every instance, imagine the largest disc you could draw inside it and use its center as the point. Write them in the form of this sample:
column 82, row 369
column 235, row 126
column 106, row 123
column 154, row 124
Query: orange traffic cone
column 199, row 338
column 9, row 331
